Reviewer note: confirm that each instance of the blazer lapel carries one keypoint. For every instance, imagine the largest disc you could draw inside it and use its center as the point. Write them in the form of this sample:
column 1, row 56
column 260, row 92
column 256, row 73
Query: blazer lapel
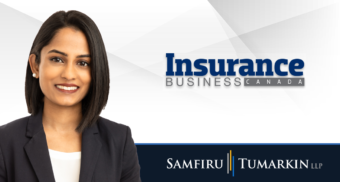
column 90, row 150
column 37, row 150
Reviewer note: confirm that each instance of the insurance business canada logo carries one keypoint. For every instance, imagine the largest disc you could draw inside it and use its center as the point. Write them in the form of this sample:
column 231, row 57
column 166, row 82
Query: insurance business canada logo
column 223, row 72
column 244, row 163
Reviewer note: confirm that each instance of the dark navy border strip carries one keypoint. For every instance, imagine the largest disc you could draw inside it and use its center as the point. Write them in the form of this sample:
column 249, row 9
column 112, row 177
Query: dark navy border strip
column 237, row 143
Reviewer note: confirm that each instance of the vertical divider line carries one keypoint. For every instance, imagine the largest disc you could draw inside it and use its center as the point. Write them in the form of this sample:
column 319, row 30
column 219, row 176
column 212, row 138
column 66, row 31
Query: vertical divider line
column 230, row 160
column 227, row 163
column 233, row 166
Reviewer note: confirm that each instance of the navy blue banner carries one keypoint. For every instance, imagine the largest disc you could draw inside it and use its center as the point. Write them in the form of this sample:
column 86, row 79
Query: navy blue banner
column 238, row 162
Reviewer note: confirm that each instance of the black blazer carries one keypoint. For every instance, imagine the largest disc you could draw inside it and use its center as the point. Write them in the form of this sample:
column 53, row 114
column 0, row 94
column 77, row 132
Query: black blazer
column 108, row 153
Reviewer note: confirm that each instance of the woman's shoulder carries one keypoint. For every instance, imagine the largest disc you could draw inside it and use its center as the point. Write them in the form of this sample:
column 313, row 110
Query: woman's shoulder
column 112, row 128
column 15, row 125
column 14, row 131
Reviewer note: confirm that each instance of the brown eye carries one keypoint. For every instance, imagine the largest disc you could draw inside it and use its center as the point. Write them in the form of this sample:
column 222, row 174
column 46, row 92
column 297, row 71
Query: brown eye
column 83, row 63
column 56, row 59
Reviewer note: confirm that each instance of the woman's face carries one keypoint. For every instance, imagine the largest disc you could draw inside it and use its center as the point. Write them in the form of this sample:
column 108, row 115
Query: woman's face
column 64, row 70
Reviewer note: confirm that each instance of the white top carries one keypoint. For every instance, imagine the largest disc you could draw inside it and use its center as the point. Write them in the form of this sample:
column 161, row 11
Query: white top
column 66, row 166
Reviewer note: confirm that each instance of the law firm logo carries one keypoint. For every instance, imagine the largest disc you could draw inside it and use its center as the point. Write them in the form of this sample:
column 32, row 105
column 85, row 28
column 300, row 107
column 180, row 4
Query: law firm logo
column 243, row 163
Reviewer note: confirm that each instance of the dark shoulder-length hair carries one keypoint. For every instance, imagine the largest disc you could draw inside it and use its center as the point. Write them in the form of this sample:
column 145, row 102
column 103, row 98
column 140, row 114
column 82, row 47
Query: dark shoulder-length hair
column 98, row 93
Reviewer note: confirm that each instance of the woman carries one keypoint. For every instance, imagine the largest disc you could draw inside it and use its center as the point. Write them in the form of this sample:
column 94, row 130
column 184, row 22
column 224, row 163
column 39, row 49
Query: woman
column 67, row 86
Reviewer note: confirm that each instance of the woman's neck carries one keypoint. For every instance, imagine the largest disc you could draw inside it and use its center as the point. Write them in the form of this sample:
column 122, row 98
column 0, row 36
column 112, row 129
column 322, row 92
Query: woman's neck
column 61, row 119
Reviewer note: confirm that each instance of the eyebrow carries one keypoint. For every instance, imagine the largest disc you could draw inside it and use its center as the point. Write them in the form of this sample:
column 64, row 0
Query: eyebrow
column 62, row 53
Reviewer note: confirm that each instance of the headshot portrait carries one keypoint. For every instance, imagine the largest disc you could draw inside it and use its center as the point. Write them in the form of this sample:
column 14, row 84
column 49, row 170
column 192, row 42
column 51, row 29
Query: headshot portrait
column 64, row 139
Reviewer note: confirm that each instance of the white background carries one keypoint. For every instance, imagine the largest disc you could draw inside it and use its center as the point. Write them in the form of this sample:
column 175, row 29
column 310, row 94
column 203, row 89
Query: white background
column 137, row 35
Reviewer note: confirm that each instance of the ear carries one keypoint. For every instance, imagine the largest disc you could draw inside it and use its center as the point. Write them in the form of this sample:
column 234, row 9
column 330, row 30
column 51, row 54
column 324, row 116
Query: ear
column 34, row 66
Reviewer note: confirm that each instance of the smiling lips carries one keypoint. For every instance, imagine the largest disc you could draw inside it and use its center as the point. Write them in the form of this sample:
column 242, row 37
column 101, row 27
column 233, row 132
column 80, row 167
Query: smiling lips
column 67, row 88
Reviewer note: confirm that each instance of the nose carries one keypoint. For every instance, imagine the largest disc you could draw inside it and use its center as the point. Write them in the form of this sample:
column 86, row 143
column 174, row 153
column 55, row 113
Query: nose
column 69, row 72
